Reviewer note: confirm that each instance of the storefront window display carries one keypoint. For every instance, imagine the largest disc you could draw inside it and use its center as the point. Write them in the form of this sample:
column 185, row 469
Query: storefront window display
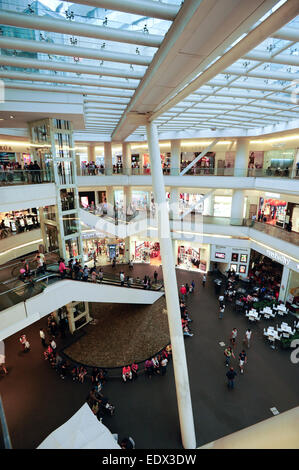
column 72, row 248
column 105, row 249
column 222, row 206
column 18, row 221
column 279, row 162
column 192, row 257
column 203, row 166
column 146, row 252
column 272, row 211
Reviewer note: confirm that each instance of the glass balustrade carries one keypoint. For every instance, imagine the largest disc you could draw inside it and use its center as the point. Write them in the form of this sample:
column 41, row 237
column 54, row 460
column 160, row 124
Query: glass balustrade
column 194, row 171
column 12, row 177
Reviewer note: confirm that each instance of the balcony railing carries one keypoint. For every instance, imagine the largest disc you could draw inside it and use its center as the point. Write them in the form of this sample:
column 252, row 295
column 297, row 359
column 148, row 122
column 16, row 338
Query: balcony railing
column 12, row 177
column 194, row 171
column 37, row 283
column 274, row 231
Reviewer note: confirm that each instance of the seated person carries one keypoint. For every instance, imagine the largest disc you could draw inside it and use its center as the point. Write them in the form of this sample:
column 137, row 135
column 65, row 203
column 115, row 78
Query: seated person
column 126, row 373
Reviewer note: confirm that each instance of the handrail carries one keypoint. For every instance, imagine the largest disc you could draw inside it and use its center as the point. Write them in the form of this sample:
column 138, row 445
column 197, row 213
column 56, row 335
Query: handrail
column 6, row 436
column 109, row 278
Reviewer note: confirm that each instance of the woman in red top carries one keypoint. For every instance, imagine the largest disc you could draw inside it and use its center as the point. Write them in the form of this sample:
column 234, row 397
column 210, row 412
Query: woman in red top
column 126, row 374
column 62, row 268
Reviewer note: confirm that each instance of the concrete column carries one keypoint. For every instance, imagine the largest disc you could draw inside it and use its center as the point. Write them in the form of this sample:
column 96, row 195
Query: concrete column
column 128, row 193
column 284, row 283
column 171, row 294
column 78, row 163
column 108, row 158
column 242, row 154
column 91, row 153
column 110, row 200
column 209, row 204
column 175, row 251
column 19, row 158
column 126, row 158
column 175, row 161
column 43, row 228
column 174, row 209
column 237, row 207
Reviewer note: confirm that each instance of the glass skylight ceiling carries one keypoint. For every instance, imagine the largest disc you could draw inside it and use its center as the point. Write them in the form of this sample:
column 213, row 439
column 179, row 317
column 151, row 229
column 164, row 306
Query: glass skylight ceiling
column 98, row 77
column 253, row 92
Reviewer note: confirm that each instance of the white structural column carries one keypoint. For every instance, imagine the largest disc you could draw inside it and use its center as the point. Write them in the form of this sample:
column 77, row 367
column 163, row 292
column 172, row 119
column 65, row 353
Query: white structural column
column 91, row 153
column 284, row 283
column 127, row 199
column 126, row 154
column 242, row 154
column 209, row 201
column 175, row 161
column 108, row 158
column 174, row 203
column 171, row 294
column 110, row 200
column 237, row 208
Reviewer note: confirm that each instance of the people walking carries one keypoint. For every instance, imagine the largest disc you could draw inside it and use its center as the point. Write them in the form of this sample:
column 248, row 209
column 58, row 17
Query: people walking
column 183, row 292
column 228, row 353
column 101, row 275
column 221, row 311
column 204, row 278
column 231, row 374
column 122, row 278
column 233, row 337
column 242, row 360
column 42, row 337
column 247, row 337
column 155, row 277
column 193, row 286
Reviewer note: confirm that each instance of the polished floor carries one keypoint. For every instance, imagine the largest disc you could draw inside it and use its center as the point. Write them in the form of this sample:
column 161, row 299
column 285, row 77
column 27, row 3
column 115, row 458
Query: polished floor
column 37, row 401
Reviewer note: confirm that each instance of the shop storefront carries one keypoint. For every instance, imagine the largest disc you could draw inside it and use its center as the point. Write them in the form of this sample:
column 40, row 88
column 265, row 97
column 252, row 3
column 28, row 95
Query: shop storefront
column 192, row 257
column 105, row 249
column 204, row 165
column 272, row 211
column 145, row 251
column 226, row 258
column 279, row 162
column 140, row 199
column 19, row 221
column 222, row 206
column 292, row 297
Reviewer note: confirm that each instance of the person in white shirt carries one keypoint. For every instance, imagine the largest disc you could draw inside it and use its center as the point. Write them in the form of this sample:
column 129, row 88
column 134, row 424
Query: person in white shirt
column 42, row 337
column 247, row 338
column 53, row 344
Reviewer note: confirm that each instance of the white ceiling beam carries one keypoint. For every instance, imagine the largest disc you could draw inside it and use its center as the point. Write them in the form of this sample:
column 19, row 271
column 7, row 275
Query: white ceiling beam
column 68, row 89
column 64, row 66
column 287, row 33
column 253, row 96
column 164, row 11
column 247, row 86
column 270, row 25
column 38, row 77
column 45, row 23
column 28, row 45
column 271, row 75
column 285, row 59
